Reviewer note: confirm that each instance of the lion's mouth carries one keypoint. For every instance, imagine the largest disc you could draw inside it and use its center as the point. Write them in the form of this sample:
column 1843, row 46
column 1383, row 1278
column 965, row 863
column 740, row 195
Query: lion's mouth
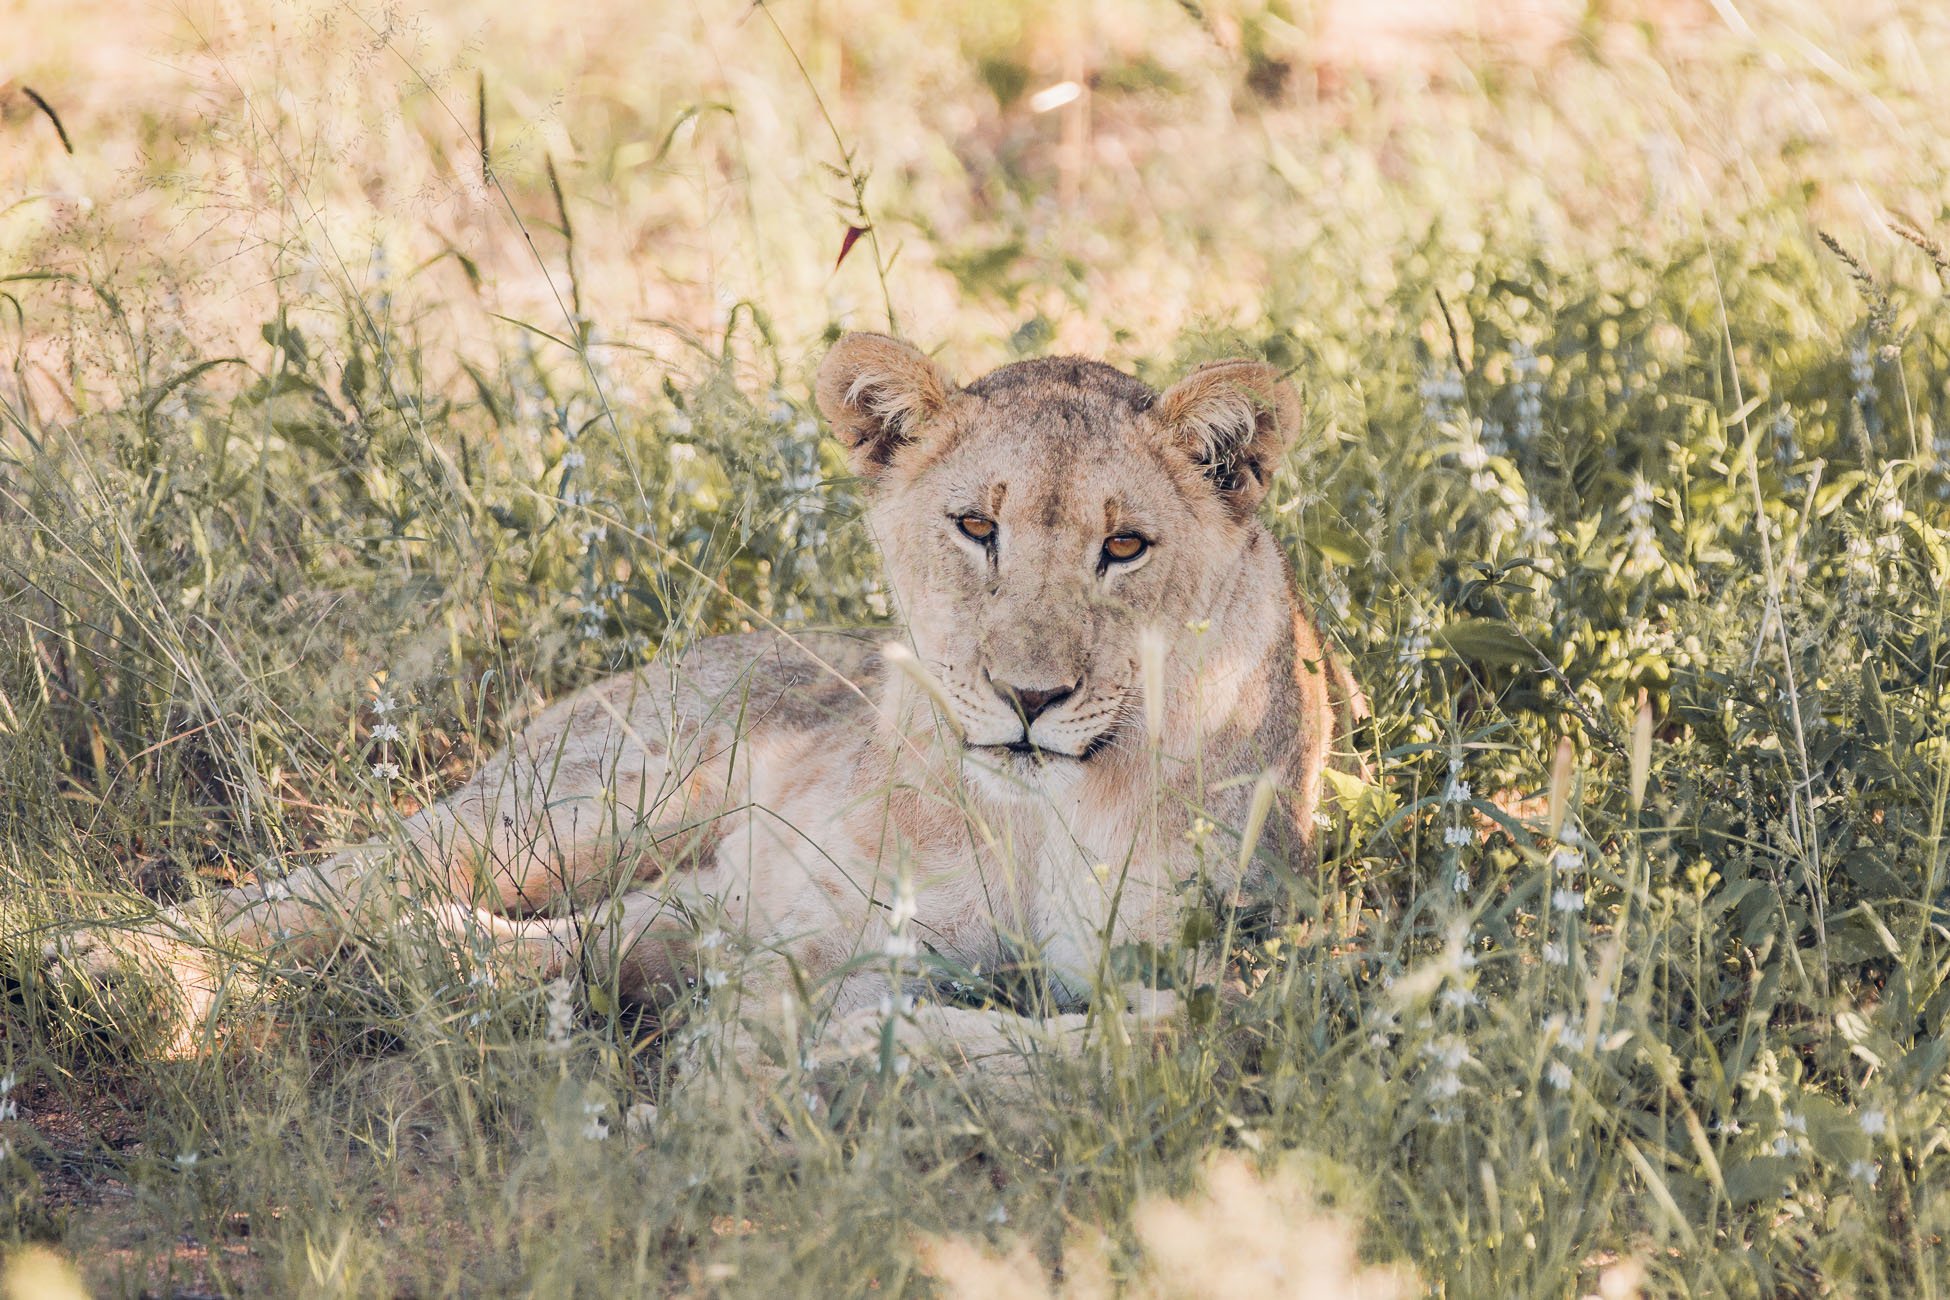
column 1029, row 750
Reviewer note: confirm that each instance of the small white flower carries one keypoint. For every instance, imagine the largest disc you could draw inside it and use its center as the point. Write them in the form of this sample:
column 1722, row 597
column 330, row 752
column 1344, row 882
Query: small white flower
column 1892, row 509
column 384, row 732
column 1449, row 1052
column 1456, row 837
column 890, row 1005
column 1793, row 1122
column 999, row 1215
column 1728, row 1128
column 715, row 978
column 806, row 427
column 1566, row 860
column 592, row 536
column 596, row 1130
column 1784, row 1145
column 1378, row 1041
column 1554, row 954
column 1458, row 791
column 903, row 909
column 7, row 1082
column 275, row 891
column 711, row 939
column 1874, row 1122
column 1558, row 1075
column 186, row 1159
column 1567, row 900
column 678, row 424
column 1445, row 1085
column 592, row 631
column 386, row 771
column 384, row 704
column 9, row 1109
column 900, row 946
column 574, row 460
column 1456, row 998
column 1866, row 1171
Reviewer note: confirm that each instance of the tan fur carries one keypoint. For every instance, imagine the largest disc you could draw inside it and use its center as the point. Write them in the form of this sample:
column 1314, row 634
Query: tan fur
column 798, row 795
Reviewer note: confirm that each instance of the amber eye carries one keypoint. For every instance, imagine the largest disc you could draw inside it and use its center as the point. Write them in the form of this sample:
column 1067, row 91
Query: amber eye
column 976, row 528
column 1125, row 547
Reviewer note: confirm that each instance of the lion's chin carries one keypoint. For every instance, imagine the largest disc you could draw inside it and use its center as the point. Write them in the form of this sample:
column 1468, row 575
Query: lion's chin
column 1021, row 771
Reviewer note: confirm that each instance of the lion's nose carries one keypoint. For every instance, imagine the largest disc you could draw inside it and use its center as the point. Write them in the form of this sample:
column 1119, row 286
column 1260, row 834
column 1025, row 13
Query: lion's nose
column 1031, row 704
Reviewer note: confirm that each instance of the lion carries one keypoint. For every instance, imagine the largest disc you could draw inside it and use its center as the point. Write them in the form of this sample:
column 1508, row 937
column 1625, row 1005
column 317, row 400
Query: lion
column 1104, row 693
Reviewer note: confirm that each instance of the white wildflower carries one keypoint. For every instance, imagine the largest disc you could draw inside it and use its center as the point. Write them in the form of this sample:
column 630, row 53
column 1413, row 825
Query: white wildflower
column 1456, row 836
column 1784, row 1145
column 1864, row 1171
column 1458, row 791
column 386, row 771
column 186, row 1159
column 1567, row 860
column 1554, row 954
column 903, row 908
column 384, row 732
column 1794, row 1122
column 574, row 460
column 1445, row 1084
column 1874, row 1122
column 1456, row 998
column 596, row 1130
column 678, row 424
column 384, row 704
column 1449, row 1052
column 1567, row 900
column 1728, row 1128
column 715, row 978
column 1558, row 1075
column 555, row 1036
column 901, row 946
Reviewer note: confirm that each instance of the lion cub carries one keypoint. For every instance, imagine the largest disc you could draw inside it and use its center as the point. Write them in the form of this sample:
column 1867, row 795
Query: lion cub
column 1101, row 659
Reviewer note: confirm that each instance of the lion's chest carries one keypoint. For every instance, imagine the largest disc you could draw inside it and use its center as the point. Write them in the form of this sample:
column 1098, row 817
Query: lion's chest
column 1050, row 887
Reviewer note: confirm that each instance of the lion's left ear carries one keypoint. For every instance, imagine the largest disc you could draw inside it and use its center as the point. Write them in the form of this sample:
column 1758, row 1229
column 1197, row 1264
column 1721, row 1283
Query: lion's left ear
column 1235, row 419
column 878, row 393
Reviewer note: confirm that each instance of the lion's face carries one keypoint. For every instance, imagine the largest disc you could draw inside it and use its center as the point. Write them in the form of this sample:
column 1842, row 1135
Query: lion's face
column 1037, row 521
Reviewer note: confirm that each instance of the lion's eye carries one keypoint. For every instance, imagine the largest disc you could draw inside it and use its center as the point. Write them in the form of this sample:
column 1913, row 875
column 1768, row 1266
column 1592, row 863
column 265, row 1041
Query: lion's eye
column 1125, row 547
column 976, row 528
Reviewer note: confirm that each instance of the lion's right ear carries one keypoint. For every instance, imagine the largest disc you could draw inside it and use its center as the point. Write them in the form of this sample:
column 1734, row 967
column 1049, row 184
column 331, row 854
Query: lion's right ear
column 878, row 393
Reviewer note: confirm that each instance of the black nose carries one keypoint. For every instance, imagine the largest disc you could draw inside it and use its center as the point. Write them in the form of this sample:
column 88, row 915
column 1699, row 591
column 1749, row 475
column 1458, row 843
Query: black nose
column 1031, row 705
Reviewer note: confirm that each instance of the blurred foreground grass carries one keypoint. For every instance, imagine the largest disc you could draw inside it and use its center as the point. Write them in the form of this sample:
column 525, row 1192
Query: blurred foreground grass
column 317, row 399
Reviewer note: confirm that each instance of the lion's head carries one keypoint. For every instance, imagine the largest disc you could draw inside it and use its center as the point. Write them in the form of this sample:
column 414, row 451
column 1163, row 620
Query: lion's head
column 1037, row 520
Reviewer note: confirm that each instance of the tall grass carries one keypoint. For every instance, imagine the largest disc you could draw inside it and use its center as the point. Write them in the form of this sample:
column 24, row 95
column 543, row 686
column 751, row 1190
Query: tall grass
column 376, row 384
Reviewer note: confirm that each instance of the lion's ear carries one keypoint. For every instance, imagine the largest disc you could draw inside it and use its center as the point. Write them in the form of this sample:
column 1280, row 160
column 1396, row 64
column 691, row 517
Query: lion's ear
column 1235, row 419
column 878, row 393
